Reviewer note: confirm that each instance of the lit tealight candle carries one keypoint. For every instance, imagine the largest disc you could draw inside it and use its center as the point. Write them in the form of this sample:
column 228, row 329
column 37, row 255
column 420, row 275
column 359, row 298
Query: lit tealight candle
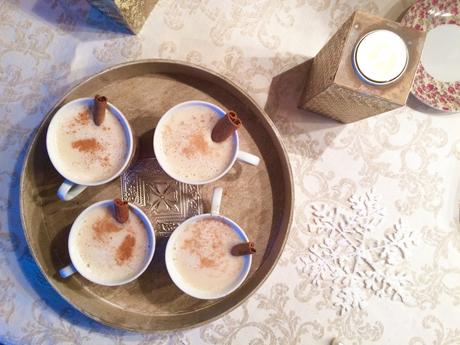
column 380, row 57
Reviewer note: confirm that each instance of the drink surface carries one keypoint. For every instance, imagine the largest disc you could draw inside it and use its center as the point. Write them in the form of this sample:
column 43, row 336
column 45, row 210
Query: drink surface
column 201, row 255
column 188, row 148
column 86, row 152
column 110, row 251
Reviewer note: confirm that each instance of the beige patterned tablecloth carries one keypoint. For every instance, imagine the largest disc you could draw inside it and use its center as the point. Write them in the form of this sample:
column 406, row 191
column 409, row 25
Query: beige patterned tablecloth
column 374, row 251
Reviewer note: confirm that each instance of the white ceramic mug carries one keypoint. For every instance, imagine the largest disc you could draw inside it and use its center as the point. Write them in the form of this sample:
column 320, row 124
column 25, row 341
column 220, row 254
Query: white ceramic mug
column 237, row 153
column 71, row 187
column 172, row 270
column 78, row 266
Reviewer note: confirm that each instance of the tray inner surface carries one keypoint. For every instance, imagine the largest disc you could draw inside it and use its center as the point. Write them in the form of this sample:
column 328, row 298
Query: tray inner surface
column 255, row 197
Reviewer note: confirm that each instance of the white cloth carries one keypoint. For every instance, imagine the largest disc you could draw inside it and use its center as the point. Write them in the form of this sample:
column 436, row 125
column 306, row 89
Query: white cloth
column 408, row 157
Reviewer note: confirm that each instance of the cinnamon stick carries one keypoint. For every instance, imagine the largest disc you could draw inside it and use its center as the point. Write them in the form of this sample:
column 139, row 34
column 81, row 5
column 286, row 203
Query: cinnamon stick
column 245, row 248
column 99, row 107
column 121, row 210
column 225, row 127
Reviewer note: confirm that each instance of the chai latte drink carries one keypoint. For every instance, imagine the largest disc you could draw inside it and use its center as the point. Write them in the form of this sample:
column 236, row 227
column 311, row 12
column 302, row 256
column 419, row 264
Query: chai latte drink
column 202, row 255
column 88, row 153
column 108, row 250
column 188, row 148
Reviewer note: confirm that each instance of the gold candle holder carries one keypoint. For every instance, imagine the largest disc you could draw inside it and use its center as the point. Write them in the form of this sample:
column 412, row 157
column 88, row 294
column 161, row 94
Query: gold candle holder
column 129, row 13
column 335, row 89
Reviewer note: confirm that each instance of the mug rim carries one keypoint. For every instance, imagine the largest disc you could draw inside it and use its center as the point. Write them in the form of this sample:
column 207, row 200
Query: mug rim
column 126, row 128
column 160, row 155
column 139, row 213
column 186, row 288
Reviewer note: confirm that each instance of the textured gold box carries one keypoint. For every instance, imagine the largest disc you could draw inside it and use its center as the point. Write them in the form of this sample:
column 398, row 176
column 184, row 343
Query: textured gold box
column 334, row 89
column 130, row 13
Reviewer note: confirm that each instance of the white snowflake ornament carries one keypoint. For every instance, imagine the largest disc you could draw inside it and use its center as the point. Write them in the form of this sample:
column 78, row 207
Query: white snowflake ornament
column 349, row 257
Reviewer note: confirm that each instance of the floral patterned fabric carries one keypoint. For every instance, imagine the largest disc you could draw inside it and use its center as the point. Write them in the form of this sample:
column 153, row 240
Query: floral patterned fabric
column 374, row 251
column 425, row 15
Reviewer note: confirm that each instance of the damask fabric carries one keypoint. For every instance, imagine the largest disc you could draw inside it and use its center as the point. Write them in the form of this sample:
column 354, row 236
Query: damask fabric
column 374, row 251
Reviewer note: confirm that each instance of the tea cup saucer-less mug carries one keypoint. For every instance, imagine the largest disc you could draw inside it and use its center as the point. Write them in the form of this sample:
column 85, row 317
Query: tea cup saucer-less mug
column 176, row 277
column 72, row 186
column 77, row 265
column 237, row 153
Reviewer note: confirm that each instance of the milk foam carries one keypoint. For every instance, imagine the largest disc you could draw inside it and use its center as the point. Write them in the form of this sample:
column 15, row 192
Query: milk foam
column 110, row 251
column 201, row 255
column 86, row 152
column 188, row 148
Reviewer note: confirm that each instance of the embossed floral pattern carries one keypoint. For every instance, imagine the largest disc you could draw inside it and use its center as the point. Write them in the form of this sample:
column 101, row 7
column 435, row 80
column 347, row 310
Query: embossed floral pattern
column 166, row 201
column 249, row 18
column 163, row 197
column 279, row 320
column 436, row 333
column 355, row 327
column 424, row 187
column 439, row 278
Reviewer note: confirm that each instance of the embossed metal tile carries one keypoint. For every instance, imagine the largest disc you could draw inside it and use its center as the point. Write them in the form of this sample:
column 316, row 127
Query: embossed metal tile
column 166, row 201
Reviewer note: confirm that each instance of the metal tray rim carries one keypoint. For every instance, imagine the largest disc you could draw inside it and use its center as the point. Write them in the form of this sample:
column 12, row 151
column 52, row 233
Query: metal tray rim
column 284, row 156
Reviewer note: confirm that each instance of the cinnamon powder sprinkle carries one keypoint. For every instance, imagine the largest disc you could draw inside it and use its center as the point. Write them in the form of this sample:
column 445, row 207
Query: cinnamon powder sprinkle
column 87, row 145
column 105, row 161
column 207, row 259
column 82, row 118
column 104, row 226
column 206, row 262
column 196, row 144
column 125, row 250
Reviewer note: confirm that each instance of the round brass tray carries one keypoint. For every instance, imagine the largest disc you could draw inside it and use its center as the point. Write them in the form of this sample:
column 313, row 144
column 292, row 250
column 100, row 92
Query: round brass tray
column 259, row 199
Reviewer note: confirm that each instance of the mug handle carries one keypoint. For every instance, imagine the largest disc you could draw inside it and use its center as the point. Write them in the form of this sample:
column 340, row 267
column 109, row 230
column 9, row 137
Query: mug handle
column 216, row 200
column 67, row 271
column 69, row 190
column 248, row 158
